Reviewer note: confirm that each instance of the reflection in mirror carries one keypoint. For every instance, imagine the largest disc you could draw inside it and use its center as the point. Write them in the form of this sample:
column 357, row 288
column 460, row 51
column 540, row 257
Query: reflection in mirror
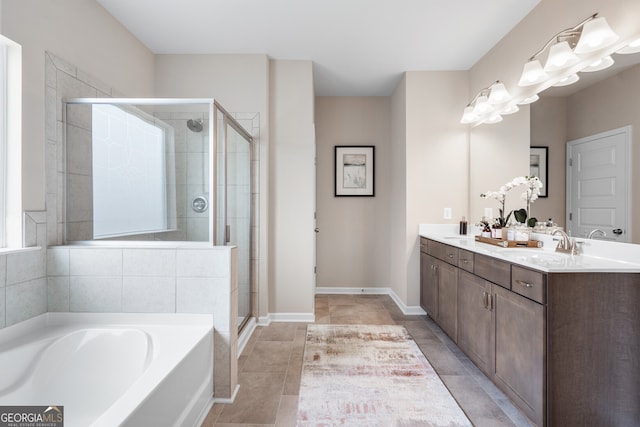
column 137, row 172
column 600, row 102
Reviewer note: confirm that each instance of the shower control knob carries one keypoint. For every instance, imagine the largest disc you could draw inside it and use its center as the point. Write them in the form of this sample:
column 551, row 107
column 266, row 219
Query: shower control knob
column 199, row 204
column 617, row 231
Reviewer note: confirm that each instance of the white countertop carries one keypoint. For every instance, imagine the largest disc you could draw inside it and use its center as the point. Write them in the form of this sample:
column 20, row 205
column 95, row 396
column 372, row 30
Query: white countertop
column 597, row 256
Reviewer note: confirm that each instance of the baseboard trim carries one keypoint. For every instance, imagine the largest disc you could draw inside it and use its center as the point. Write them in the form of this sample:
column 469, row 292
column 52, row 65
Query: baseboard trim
column 338, row 290
column 227, row 400
column 407, row 310
column 286, row 317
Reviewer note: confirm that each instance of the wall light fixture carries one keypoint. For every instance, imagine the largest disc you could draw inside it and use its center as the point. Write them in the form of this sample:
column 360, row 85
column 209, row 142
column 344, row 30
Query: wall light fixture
column 585, row 47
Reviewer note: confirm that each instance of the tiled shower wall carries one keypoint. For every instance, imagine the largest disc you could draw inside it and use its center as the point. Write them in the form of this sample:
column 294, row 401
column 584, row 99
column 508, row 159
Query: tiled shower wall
column 23, row 276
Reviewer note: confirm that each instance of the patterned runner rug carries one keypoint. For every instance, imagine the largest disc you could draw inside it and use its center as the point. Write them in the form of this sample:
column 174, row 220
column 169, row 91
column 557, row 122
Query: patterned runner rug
column 371, row 375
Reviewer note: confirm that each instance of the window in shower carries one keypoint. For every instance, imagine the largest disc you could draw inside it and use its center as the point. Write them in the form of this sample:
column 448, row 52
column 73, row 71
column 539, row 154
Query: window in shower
column 10, row 144
column 131, row 173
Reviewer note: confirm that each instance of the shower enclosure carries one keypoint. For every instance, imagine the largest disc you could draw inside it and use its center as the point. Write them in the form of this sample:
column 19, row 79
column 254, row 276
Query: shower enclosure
column 159, row 170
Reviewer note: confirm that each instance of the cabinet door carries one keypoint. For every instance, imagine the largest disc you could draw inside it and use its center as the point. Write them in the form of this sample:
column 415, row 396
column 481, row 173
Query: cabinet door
column 474, row 320
column 428, row 285
column 448, row 299
column 519, row 350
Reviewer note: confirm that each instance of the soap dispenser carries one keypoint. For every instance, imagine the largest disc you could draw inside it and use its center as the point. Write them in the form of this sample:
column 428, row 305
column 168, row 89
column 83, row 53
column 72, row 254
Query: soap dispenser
column 463, row 226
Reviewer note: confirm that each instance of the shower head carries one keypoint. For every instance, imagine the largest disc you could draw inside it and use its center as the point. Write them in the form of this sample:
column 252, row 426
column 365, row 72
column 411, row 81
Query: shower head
column 194, row 125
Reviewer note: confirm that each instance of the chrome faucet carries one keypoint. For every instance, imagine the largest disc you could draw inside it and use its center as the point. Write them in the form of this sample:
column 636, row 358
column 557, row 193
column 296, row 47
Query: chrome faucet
column 597, row 230
column 566, row 244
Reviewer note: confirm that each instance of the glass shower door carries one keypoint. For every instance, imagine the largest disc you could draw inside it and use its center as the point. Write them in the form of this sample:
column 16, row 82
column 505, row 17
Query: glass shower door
column 238, row 214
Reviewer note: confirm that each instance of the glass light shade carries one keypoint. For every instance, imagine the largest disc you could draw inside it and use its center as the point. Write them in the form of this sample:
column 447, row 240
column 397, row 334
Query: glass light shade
column 567, row 80
column 560, row 56
column 510, row 110
column 482, row 106
column 494, row 118
column 468, row 116
column 633, row 47
column 596, row 34
column 529, row 99
column 499, row 93
column 598, row 65
column 532, row 74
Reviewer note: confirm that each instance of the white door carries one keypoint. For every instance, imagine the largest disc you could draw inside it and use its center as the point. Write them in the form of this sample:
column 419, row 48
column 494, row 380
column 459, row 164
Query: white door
column 598, row 184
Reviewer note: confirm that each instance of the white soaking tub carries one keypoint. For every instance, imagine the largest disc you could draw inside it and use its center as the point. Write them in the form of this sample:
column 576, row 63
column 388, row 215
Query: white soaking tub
column 111, row 369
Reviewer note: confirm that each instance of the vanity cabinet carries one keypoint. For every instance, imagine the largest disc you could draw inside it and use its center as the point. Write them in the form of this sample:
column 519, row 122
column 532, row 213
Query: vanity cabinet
column 564, row 346
column 500, row 330
column 439, row 285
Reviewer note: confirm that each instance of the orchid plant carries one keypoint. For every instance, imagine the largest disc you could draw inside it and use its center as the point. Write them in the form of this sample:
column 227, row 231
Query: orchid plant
column 533, row 186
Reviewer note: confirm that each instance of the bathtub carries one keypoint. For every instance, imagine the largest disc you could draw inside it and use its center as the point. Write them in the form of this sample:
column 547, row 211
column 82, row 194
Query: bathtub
column 111, row 369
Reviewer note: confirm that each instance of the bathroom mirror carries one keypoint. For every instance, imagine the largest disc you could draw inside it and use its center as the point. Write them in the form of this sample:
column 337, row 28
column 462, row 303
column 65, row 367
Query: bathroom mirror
column 600, row 102
column 138, row 169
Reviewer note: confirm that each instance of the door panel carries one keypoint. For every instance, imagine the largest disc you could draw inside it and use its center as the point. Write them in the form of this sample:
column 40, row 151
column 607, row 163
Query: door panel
column 448, row 299
column 474, row 319
column 598, row 185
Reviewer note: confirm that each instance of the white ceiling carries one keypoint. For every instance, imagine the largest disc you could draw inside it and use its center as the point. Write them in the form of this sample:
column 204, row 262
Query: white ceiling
column 358, row 47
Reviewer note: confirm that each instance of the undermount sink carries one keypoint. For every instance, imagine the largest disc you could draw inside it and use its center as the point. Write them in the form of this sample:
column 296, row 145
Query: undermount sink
column 536, row 256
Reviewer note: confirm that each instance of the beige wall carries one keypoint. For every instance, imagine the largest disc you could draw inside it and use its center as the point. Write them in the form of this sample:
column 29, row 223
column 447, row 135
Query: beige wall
column 499, row 153
column 353, row 243
column 292, row 184
column 430, row 167
column 398, row 197
column 84, row 34
column 549, row 129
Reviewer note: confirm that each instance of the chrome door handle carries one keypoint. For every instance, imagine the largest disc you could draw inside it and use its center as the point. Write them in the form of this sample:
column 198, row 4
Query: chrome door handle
column 317, row 230
column 525, row 284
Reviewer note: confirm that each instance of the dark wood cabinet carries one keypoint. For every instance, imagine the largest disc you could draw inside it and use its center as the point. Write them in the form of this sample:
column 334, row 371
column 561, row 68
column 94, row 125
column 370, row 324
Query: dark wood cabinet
column 593, row 349
column 564, row 347
column 428, row 285
column 474, row 320
column 439, row 285
column 448, row 298
column 518, row 343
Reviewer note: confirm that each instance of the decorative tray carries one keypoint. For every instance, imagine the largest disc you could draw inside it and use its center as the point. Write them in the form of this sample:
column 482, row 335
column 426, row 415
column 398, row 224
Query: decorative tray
column 510, row 243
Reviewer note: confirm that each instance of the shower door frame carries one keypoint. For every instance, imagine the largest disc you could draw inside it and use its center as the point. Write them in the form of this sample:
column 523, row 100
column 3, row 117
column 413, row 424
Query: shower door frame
column 224, row 239
column 214, row 108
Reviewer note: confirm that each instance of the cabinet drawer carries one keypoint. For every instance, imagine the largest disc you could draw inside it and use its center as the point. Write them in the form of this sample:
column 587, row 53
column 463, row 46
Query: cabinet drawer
column 446, row 253
column 528, row 283
column 465, row 260
column 424, row 245
column 493, row 270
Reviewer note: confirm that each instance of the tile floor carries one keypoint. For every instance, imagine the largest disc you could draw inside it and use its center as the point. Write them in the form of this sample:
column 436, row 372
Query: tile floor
column 270, row 365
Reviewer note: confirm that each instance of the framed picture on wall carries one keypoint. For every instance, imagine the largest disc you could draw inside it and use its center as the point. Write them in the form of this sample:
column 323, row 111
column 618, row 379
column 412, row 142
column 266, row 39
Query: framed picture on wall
column 354, row 170
column 538, row 160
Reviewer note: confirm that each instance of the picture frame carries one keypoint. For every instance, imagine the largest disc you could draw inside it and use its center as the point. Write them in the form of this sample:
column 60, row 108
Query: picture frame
column 538, row 166
column 354, row 170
